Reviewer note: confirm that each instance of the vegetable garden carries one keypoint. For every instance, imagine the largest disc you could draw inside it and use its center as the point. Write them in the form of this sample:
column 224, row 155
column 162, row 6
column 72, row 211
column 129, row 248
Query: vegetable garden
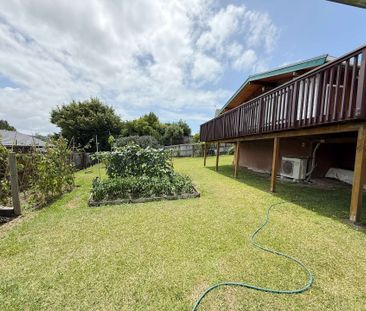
column 137, row 174
column 43, row 175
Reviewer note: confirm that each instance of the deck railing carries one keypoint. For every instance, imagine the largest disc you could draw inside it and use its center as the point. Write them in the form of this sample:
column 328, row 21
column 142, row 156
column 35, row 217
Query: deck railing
column 334, row 92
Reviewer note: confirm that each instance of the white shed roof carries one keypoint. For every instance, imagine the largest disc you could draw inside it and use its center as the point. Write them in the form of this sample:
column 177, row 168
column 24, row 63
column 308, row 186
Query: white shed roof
column 13, row 138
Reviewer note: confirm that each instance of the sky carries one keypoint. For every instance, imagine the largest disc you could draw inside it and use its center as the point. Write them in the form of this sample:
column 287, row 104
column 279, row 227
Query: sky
column 180, row 59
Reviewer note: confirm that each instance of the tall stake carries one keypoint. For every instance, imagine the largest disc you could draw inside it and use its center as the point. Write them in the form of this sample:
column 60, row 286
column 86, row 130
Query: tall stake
column 96, row 143
column 14, row 184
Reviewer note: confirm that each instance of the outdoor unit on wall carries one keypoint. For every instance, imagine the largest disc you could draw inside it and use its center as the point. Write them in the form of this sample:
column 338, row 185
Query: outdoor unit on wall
column 294, row 168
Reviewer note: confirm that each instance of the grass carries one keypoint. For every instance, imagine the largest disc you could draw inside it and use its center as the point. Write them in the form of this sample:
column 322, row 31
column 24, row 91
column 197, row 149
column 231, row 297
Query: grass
column 162, row 255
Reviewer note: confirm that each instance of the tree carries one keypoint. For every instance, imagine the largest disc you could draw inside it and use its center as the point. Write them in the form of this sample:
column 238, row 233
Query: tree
column 174, row 134
column 164, row 133
column 4, row 125
column 83, row 121
column 147, row 125
column 196, row 138
column 185, row 127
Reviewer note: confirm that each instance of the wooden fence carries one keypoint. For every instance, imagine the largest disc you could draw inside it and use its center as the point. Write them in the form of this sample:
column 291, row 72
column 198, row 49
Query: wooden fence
column 196, row 149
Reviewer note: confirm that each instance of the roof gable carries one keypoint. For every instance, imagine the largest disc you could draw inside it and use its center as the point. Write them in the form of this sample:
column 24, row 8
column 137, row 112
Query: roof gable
column 298, row 66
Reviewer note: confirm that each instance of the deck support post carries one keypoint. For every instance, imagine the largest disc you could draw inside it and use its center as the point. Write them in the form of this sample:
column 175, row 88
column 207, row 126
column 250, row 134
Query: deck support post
column 14, row 184
column 217, row 156
column 358, row 176
column 204, row 154
column 275, row 162
column 237, row 159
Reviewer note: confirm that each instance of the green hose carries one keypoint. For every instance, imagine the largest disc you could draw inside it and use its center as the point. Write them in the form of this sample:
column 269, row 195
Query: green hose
column 310, row 277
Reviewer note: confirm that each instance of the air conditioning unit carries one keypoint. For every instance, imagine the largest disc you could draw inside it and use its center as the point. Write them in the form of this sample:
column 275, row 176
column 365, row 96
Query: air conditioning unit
column 294, row 168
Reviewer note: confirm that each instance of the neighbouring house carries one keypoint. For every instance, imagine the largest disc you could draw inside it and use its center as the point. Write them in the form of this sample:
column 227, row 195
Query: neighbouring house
column 306, row 118
column 16, row 141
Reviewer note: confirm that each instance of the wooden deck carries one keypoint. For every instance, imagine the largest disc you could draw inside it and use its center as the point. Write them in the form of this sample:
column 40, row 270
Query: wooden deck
column 330, row 94
column 328, row 99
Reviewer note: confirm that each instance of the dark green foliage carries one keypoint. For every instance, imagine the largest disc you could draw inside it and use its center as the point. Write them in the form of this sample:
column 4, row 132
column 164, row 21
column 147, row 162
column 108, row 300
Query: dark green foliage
column 142, row 141
column 82, row 121
column 185, row 127
column 164, row 133
column 147, row 125
column 136, row 172
column 4, row 181
column 173, row 135
column 141, row 187
column 133, row 160
column 4, row 125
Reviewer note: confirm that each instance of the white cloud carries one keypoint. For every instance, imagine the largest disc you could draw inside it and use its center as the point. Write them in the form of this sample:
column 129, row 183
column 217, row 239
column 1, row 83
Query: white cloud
column 234, row 32
column 136, row 55
column 246, row 60
column 206, row 68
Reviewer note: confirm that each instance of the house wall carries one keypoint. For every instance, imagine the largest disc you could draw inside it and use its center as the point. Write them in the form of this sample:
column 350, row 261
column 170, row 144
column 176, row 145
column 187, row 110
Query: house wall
column 257, row 155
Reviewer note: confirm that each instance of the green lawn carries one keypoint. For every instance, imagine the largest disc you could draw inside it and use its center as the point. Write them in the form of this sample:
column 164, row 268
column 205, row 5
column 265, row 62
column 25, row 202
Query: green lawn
column 162, row 255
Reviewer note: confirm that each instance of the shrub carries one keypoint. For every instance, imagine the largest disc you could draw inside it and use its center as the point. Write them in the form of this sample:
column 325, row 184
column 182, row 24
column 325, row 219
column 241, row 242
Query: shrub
column 231, row 150
column 4, row 181
column 133, row 160
column 133, row 187
column 142, row 141
column 54, row 174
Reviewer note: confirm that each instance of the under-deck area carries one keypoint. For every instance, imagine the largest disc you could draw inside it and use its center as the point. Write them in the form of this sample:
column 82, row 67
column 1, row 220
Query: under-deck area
column 325, row 106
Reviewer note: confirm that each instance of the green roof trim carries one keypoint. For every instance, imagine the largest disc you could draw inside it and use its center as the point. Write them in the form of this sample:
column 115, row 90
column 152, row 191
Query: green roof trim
column 309, row 63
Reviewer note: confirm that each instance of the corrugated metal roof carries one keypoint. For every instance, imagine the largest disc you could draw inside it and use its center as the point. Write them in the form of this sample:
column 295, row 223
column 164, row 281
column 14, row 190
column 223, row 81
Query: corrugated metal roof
column 13, row 138
column 309, row 63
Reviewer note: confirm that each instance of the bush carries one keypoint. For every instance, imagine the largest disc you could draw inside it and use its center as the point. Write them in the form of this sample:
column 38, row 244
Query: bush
column 231, row 150
column 141, row 187
column 142, row 141
column 135, row 172
column 53, row 174
column 133, row 160
column 4, row 181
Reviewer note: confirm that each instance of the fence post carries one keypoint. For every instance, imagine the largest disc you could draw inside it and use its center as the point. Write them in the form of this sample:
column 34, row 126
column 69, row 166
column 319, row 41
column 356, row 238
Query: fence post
column 192, row 151
column 14, row 184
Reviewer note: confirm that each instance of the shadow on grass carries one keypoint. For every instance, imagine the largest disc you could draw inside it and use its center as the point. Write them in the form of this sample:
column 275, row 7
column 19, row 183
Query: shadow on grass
column 329, row 202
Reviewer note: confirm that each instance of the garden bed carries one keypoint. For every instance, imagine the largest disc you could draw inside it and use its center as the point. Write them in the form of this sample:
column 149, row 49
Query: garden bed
column 137, row 175
column 93, row 203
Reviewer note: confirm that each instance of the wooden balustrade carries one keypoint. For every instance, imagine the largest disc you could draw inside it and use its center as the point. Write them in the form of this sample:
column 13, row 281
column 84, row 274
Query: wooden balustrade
column 332, row 93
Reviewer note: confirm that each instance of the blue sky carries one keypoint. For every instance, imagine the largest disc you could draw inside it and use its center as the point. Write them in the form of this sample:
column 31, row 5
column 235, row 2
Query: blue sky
column 179, row 59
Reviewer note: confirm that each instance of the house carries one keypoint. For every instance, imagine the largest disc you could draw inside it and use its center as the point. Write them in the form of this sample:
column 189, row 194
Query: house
column 16, row 140
column 314, row 110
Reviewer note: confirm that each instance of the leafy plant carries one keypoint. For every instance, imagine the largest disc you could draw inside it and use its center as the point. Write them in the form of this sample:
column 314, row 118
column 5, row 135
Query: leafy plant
column 53, row 172
column 136, row 172
column 133, row 160
column 142, row 141
column 140, row 186
column 4, row 181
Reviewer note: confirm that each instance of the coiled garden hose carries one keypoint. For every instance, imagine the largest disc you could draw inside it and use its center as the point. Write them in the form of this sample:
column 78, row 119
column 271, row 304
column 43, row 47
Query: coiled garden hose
column 310, row 277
